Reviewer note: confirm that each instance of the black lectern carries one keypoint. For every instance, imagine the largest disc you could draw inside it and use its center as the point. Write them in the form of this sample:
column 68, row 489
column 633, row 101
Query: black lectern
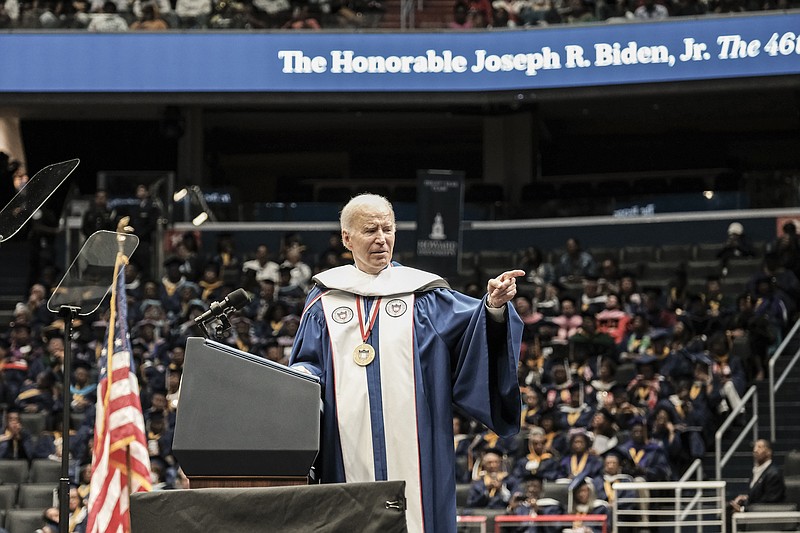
column 244, row 421
column 377, row 507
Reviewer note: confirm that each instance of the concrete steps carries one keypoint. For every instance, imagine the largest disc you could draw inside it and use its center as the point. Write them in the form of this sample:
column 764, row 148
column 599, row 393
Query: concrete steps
column 787, row 409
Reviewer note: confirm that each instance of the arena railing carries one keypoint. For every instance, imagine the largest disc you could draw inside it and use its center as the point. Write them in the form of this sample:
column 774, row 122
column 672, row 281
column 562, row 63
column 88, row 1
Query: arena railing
column 775, row 384
column 774, row 520
column 721, row 460
column 662, row 505
column 471, row 523
column 504, row 523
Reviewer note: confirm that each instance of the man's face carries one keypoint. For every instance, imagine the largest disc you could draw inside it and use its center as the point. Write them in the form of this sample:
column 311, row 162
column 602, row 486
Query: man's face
column 55, row 347
column 371, row 239
column 74, row 499
column 537, row 444
column 491, row 462
column 177, row 355
column 13, row 423
column 522, row 305
column 761, row 452
column 81, row 376
column 533, row 489
column 578, row 445
column 612, row 465
column 159, row 401
column 582, row 494
column 637, row 433
column 590, row 287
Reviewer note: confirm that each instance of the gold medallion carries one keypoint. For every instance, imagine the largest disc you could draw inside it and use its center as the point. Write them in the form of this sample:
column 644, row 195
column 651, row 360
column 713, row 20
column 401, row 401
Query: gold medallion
column 364, row 354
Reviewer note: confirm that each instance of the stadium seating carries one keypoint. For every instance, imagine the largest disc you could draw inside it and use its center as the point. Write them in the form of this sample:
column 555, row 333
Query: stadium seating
column 45, row 471
column 23, row 520
column 13, row 471
column 36, row 495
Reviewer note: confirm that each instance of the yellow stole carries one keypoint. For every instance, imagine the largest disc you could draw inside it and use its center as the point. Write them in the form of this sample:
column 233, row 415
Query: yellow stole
column 609, row 491
column 636, row 455
column 576, row 466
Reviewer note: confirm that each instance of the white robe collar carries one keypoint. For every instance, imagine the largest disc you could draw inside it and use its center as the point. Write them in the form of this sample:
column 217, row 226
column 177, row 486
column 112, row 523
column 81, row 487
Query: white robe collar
column 389, row 281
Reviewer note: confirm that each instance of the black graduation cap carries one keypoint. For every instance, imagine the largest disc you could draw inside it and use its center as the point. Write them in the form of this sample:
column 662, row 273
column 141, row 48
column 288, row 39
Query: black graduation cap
column 659, row 334
column 616, row 452
column 81, row 363
column 581, row 432
column 173, row 260
column 653, row 290
column 701, row 357
column 605, row 413
column 637, row 421
column 645, row 359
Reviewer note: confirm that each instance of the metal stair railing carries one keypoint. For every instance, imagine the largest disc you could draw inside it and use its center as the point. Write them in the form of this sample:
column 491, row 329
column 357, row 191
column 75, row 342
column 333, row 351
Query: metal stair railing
column 719, row 460
column 775, row 384
column 706, row 508
column 407, row 8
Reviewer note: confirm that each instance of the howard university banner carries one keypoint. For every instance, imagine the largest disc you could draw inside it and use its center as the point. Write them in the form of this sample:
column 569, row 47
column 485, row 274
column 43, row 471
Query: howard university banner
column 440, row 205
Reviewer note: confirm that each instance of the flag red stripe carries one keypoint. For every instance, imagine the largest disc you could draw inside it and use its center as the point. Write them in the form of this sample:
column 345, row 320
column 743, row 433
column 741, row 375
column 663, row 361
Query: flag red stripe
column 116, row 470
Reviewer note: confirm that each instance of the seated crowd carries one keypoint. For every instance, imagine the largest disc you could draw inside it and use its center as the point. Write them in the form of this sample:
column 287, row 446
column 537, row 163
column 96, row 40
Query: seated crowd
column 617, row 380
column 532, row 13
column 621, row 381
column 157, row 15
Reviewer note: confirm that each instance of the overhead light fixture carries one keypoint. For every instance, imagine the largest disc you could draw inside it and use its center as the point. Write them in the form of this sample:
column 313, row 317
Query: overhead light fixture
column 180, row 195
column 200, row 219
column 708, row 195
column 196, row 198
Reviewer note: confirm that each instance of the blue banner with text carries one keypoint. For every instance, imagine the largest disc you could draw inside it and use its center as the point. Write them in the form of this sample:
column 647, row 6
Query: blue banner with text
column 524, row 59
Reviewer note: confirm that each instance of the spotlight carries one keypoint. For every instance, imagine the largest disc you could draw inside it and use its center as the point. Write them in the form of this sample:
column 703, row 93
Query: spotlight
column 180, row 195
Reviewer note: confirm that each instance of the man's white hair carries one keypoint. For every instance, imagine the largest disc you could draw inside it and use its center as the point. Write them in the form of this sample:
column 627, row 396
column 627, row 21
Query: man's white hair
column 357, row 204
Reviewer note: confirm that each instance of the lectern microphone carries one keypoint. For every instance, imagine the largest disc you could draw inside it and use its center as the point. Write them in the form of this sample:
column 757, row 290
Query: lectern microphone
column 232, row 302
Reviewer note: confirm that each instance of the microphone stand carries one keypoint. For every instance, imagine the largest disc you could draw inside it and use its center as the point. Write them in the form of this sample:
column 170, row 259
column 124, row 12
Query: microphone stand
column 68, row 313
column 223, row 326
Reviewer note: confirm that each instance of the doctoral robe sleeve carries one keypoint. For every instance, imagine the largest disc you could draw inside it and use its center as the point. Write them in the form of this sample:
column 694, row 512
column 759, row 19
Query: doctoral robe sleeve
column 484, row 356
column 308, row 351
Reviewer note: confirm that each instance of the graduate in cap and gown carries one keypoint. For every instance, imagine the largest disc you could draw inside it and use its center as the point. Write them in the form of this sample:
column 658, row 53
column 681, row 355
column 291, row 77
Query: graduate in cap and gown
column 531, row 501
column 614, row 465
column 580, row 460
column 585, row 502
column 493, row 486
column 650, row 461
column 538, row 462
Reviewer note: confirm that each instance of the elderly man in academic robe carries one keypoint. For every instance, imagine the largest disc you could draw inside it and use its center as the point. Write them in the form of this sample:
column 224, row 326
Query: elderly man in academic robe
column 395, row 348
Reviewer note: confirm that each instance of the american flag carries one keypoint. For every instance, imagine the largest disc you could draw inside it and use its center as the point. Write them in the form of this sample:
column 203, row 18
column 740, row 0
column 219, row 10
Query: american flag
column 120, row 462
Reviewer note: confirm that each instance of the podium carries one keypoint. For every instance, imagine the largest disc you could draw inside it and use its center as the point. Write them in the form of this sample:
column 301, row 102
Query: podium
column 376, row 507
column 244, row 421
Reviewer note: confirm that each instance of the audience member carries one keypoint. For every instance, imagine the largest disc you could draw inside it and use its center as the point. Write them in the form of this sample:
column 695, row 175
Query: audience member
column 492, row 489
column 16, row 442
column 99, row 216
column 575, row 264
column 766, row 483
column 109, row 21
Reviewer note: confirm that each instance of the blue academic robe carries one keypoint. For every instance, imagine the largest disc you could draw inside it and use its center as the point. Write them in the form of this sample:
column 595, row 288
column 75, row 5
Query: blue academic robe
column 460, row 356
column 652, row 463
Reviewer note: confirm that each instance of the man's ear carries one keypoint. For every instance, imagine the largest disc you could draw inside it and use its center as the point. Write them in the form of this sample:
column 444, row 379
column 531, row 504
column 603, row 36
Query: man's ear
column 346, row 239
